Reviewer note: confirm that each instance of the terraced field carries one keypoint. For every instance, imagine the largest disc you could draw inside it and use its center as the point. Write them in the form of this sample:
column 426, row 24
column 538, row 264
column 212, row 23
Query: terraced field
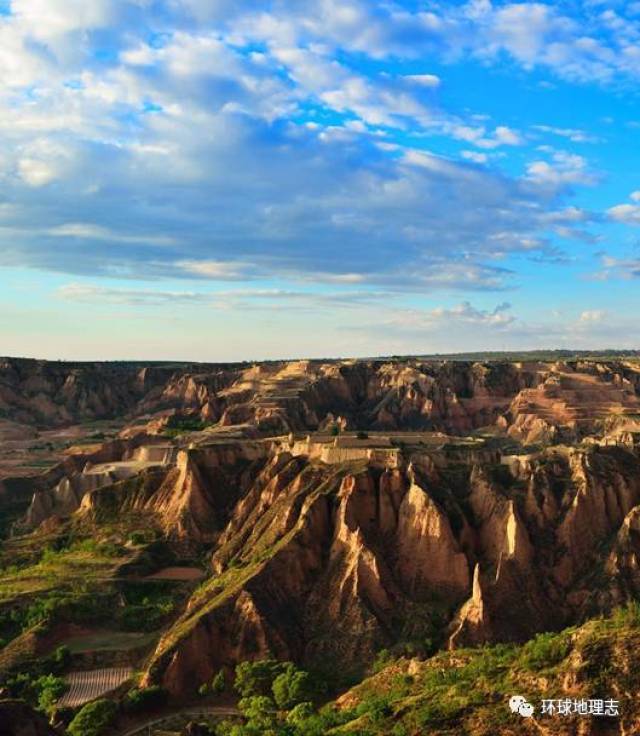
column 87, row 686
column 108, row 641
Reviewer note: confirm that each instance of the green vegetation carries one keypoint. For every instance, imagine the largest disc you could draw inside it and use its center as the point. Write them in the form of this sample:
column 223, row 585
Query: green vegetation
column 50, row 690
column 179, row 425
column 277, row 698
column 147, row 605
column 449, row 693
column 292, row 687
column 41, row 691
column 38, row 682
column 78, row 605
column 216, row 687
column 93, row 719
column 143, row 699
column 546, row 650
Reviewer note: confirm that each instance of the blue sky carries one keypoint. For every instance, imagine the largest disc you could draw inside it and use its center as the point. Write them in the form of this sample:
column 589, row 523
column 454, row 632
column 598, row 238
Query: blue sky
column 206, row 180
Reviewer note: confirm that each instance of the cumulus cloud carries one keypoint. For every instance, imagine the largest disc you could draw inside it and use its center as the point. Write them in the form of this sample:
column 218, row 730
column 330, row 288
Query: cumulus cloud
column 629, row 214
column 465, row 312
column 563, row 169
column 479, row 136
column 219, row 141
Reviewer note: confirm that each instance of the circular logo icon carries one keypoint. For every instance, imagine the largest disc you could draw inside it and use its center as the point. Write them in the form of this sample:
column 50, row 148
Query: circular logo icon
column 518, row 704
column 526, row 710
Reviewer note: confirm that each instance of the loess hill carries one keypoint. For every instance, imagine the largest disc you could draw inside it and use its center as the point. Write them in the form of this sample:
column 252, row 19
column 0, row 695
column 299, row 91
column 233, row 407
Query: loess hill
column 426, row 520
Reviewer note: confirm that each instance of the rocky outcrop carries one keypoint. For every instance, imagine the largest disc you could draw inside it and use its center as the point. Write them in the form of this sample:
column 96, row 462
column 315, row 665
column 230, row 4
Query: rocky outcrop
column 429, row 556
column 64, row 488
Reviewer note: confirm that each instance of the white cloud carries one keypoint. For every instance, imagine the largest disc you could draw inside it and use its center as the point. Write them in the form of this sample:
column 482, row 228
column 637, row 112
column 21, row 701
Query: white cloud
column 480, row 137
column 89, row 231
column 617, row 268
column 211, row 155
column 237, row 299
column 36, row 173
column 568, row 215
column 214, row 269
column 628, row 214
column 593, row 315
column 564, row 169
column 46, row 19
column 424, row 80
column 575, row 135
column 448, row 317
column 475, row 156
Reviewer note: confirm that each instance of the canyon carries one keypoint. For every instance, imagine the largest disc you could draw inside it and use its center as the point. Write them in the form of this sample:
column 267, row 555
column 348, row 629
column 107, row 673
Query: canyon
column 337, row 508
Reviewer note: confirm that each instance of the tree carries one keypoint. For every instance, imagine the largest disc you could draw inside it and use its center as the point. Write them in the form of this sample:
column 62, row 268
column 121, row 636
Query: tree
column 300, row 713
column 49, row 688
column 219, row 683
column 93, row 718
column 256, row 678
column 291, row 687
column 260, row 712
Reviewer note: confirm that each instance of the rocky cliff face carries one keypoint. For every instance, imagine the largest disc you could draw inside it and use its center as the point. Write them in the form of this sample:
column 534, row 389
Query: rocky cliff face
column 326, row 564
column 533, row 400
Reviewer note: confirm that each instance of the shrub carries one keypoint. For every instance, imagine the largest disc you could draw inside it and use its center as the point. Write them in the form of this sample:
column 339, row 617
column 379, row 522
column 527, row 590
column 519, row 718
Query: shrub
column 546, row 650
column 629, row 615
column 147, row 698
column 93, row 718
column 61, row 658
column 137, row 538
column 383, row 658
column 146, row 617
column 219, row 683
column 177, row 425
column 377, row 707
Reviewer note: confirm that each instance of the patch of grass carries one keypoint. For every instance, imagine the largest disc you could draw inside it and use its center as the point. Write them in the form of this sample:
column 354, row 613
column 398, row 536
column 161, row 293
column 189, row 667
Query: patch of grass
column 179, row 425
column 544, row 651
